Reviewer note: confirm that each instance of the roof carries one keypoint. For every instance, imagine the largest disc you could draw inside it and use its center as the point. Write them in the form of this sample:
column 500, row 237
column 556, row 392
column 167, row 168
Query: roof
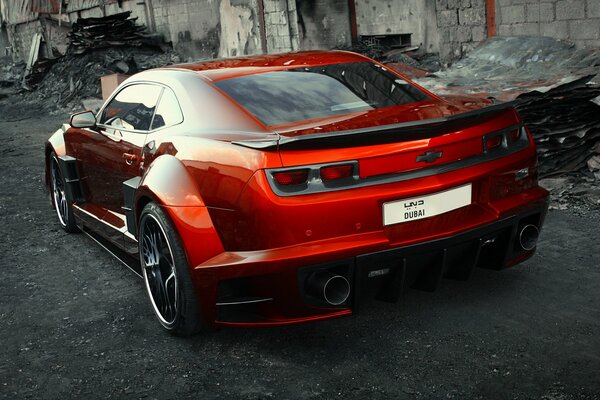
column 216, row 70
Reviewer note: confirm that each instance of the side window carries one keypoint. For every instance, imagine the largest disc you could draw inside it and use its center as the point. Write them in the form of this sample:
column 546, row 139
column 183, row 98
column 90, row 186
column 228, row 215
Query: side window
column 168, row 112
column 132, row 108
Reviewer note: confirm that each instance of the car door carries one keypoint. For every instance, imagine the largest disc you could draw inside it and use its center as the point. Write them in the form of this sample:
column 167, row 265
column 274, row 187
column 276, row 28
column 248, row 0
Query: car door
column 112, row 153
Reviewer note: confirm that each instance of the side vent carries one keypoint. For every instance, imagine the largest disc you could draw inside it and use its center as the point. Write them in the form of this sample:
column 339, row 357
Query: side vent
column 129, row 188
column 68, row 166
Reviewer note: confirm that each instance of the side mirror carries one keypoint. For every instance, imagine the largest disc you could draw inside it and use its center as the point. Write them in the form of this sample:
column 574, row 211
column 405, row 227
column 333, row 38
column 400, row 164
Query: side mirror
column 84, row 119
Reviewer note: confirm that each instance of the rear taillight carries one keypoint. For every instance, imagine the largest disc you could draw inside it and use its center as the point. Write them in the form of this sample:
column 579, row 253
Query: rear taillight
column 491, row 142
column 506, row 139
column 293, row 177
column 313, row 178
column 334, row 172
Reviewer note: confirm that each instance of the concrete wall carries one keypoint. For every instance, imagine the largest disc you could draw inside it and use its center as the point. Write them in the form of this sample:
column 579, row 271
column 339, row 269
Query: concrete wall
column 323, row 24
column 380, row 17
column 461, row 27
column 574, row 20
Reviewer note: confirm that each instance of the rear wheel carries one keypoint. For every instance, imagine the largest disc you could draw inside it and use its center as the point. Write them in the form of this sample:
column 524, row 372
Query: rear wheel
column 166, row 274
column 62, row 204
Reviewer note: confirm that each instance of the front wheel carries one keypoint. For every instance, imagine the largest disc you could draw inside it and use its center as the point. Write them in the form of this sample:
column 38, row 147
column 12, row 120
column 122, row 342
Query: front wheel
column 62, row 204
column 166, row 274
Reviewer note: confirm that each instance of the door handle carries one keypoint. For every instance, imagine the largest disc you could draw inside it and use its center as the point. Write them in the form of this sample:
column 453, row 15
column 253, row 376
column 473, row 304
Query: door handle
column 130, row 158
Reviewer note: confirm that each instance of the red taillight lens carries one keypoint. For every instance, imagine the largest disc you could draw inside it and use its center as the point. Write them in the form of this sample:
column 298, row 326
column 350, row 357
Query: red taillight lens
column 336, row 172
column 491, row 142
column 294, row 177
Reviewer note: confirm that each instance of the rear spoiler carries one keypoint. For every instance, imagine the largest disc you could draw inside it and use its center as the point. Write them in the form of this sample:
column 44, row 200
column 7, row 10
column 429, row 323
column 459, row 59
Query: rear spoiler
column 405, row 131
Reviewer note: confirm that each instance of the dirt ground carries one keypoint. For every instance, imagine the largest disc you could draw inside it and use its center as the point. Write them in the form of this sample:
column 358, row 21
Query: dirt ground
column 75, row 323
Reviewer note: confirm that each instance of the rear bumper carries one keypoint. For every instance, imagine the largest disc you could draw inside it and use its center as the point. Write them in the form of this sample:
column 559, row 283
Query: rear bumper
column 262, row 288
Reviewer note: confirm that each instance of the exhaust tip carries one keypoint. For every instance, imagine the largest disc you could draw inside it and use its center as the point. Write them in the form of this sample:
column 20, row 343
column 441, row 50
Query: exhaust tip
column 336, row 290
column 333, row 288
column 528, row 237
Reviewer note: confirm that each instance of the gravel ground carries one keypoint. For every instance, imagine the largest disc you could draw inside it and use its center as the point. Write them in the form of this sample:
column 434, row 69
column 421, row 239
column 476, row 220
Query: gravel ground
column 75, row 323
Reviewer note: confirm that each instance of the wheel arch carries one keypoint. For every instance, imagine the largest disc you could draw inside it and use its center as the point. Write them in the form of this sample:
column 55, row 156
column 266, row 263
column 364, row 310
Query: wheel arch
column 168, row 183
column 55, row 144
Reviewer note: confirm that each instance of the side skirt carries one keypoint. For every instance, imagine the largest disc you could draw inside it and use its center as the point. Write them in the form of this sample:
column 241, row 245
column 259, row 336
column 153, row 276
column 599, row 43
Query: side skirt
column 123, row 257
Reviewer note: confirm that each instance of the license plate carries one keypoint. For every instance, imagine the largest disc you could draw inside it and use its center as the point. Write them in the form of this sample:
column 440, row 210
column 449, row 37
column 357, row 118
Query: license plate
column 415, row 208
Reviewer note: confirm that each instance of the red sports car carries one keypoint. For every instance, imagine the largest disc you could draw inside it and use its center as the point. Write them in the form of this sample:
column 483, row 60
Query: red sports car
column 285, row 188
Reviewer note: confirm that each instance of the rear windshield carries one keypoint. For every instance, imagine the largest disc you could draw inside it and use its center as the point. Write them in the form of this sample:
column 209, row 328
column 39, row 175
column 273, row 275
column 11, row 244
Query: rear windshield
column 316, row 92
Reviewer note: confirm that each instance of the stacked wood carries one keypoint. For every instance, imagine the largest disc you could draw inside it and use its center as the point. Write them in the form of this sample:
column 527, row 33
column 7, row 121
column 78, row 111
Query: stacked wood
column 114, row 30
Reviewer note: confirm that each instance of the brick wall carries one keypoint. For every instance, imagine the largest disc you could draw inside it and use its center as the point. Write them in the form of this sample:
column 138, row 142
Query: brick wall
column 574, row 20
column 461, row 26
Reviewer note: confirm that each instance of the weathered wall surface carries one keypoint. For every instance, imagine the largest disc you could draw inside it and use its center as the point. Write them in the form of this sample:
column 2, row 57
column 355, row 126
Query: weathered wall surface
column 323, row 24
column 461, row 26
column 239, row 34
column 191, row 26
column 574, row 20
column 418, row 17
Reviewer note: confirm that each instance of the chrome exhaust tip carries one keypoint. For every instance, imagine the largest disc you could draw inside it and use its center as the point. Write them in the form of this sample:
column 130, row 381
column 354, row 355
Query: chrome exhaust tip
column 528, row 237
column 333, row 288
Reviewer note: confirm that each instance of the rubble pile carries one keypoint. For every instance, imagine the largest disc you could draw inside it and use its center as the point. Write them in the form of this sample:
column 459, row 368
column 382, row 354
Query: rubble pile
column 76, row 77
column 10, row 73
column 505, row 67
column 565, row 124
column 110, row 31
column 409, row 60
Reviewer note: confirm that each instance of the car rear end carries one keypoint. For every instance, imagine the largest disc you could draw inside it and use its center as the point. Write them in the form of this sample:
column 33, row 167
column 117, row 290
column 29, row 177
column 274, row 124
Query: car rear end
column 372, row 201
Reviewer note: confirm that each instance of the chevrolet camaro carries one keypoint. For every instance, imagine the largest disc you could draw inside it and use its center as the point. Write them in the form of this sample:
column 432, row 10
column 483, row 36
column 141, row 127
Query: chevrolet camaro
column 280, row 189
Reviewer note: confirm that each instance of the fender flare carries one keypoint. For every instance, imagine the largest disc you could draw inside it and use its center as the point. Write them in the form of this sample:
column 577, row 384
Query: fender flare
column 168, row 183
column 56, row 144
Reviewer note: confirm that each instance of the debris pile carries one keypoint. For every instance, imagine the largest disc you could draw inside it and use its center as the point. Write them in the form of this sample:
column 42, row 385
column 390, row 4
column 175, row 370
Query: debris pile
column 408, row 60
column 10, row 73
column 114, row 30
column 505, row 67
column 98, row 47
column 65, row 85
column 565, row 124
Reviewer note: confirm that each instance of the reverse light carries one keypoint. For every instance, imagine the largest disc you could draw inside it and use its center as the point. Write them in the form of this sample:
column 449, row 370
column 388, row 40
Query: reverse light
column 335, row 172
column 293, row 177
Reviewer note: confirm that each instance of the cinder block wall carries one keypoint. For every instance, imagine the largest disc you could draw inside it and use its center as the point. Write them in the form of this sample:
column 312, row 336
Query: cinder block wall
column 574, row 20
column 280, row 25
column 461, row 26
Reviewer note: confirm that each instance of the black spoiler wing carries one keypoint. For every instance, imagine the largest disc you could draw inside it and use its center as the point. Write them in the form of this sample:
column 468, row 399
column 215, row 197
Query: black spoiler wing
column 405, row 131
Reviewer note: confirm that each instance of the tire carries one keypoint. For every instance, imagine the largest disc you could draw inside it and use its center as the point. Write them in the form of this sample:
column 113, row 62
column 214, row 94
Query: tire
column 166, row 274
column 62, row 204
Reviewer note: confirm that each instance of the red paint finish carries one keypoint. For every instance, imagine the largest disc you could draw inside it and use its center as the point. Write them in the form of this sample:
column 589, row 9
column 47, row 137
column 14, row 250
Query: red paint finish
column 490, row 17
column 211, row 175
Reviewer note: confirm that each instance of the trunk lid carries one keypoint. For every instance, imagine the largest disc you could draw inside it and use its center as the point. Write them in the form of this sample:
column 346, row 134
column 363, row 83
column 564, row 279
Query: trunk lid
column 393, row 141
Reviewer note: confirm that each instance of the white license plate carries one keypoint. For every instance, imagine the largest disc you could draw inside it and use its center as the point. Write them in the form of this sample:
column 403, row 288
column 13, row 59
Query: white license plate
column 415, row 208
